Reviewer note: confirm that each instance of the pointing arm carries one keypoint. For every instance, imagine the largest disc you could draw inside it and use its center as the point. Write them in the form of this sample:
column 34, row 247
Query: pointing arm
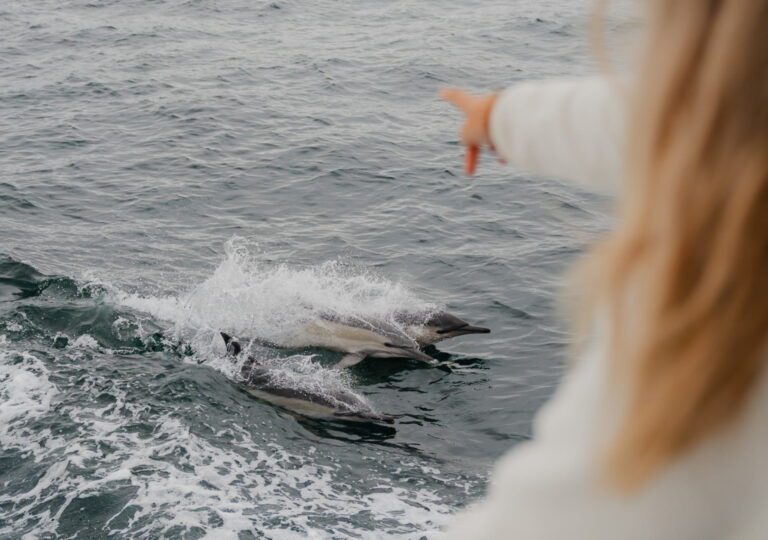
column 567, row 128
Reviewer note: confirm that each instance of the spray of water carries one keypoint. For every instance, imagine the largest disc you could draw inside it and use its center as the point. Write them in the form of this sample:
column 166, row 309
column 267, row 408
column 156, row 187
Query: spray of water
column 251, row 297
column 248, row 296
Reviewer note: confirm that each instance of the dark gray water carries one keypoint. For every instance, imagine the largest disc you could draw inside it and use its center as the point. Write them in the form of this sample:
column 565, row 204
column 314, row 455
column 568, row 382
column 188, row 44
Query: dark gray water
column 172, row 168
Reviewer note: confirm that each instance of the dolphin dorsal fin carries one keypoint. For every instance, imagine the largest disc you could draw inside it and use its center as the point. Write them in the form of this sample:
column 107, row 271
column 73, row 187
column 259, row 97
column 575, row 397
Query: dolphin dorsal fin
column 233, row 347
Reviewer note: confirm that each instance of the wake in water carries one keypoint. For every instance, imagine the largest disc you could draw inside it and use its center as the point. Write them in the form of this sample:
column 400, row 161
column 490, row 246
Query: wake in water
column 98, row 419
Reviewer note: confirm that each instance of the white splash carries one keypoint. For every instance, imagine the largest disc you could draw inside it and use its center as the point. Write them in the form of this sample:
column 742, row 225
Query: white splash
column 248, row 296
column 85, row 341
column 25, row 392
column 13, row 326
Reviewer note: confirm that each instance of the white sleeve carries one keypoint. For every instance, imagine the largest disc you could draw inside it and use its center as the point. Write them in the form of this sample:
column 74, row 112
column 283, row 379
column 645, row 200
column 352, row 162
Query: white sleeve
column 568, row 128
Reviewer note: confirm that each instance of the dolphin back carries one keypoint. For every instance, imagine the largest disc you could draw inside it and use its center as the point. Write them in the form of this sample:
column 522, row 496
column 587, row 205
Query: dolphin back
column 337, row 403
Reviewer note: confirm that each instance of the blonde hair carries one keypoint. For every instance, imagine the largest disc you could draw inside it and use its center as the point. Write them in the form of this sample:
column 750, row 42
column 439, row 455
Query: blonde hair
column 685, row 274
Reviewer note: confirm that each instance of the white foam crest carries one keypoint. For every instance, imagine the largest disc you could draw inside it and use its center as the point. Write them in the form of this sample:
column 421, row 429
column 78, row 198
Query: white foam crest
column 25, row 394
column 246, row 489
column 13, row 326
column 178, row 478
column 85, row 341
column 249, row 296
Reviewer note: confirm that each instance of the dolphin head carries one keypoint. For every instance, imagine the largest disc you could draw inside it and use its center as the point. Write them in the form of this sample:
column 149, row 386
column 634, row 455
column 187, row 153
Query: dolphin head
column 443, row 325
column 428, row 327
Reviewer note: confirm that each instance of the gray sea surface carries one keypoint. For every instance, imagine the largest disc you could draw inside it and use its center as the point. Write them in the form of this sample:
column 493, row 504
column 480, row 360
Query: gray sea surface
column 173, row 168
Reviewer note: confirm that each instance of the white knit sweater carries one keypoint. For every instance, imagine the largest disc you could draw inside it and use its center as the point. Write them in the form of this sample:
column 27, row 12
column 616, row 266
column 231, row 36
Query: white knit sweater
column 546, row 488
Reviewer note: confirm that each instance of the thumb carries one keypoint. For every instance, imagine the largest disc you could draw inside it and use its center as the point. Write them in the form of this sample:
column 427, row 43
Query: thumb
column 456, row 97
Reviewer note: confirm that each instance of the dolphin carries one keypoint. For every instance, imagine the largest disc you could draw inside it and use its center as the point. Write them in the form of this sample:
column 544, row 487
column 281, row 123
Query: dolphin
column 429, row 327
column 337, row 404
column 359, row 338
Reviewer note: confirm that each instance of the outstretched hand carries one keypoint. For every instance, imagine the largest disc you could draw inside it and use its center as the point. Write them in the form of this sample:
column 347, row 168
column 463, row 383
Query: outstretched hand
column 475, row 131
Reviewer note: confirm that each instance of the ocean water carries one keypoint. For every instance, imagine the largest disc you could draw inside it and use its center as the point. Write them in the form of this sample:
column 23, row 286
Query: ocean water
column 173, row 168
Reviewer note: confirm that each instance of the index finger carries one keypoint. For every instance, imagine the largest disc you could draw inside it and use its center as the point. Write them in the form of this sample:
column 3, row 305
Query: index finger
column 470, row 161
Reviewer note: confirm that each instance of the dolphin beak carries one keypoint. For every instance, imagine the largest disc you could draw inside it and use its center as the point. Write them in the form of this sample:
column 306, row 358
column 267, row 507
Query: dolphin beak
column 464, row 330
column 469, row 329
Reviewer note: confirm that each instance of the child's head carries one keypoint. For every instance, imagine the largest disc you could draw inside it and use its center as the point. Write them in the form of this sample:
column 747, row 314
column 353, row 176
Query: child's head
column 685, row 274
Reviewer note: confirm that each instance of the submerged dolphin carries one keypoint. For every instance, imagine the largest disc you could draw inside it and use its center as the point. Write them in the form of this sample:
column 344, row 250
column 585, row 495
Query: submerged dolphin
column 429, row 327
column 359, row 338
column 339, row 404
